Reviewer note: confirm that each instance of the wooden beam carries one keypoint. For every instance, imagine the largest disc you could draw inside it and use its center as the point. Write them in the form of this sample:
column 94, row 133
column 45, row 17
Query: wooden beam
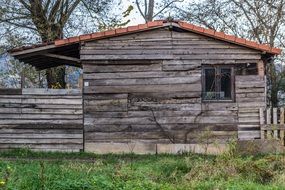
column 62, row 57
column 32, row 50
column 65, row 60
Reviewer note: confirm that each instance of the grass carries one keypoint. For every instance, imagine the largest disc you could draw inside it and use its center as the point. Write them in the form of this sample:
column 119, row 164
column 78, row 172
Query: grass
column 39, row 170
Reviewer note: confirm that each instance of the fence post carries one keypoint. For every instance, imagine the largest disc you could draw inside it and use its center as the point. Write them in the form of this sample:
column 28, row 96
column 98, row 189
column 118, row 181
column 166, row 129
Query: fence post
column 275, row 130
column 268, row 121
column 261, row 119
column 282, row 125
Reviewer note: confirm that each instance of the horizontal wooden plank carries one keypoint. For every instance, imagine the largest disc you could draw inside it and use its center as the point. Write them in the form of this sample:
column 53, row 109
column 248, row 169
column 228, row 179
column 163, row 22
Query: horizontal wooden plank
column 37, row 91
column 40, row 111
column 188, row 127
column 103, row 96
column 246, row 78
column 171, row 56
column 37, row 130
column 39, row 116
column 145, row 81
column 250, row 90
column 161, row 113
column 167, row 51
column 41, row 121
column 128, row 75
column 273, row 127
column 161, row 120
column 254, row 84
column 10, row 91
column 41, row 136
column 25, row 96
column 42, row 106
column 163, row 96
column 121, row 68
column 40, row 141
column 44, row 147
column 105, row 105
column 143, row 88
column 249, row 134
column 40, row 126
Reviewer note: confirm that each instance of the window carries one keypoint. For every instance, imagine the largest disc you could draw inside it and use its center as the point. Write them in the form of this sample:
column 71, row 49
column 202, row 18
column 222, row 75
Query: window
column 218, row 83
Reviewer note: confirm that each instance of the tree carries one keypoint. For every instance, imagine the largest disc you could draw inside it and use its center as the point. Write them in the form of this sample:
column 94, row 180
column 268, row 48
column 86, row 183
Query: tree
column 262, row 21
column 147, row 7
column 49, row 20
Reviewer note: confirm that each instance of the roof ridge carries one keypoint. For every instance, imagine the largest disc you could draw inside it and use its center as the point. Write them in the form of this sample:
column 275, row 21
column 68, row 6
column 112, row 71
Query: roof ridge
column 162, row 23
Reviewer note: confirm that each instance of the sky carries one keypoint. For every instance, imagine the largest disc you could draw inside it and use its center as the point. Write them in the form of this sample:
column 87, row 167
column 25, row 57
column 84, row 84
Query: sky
column 134, row 17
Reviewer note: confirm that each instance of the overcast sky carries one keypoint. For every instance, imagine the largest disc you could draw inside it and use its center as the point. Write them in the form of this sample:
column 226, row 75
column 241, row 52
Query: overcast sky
column 135, row 16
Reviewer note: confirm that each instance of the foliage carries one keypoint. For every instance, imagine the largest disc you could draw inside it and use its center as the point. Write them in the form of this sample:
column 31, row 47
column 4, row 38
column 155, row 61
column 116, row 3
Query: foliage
column 28, row 22
column 185, row 171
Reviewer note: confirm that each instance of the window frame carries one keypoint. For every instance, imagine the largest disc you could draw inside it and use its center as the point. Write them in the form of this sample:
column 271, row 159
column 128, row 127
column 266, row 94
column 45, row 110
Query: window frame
column 218, row 69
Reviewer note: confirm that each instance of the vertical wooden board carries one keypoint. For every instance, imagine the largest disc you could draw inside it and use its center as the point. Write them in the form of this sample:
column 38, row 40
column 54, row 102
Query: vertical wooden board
column 282, row 123
column 261, row 118
column 268, row 116
column 260, row 67
column 281, row 115
column 275, row 132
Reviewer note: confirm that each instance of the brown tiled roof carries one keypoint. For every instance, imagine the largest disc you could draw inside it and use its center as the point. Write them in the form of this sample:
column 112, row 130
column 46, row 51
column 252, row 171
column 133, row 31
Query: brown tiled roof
column 156, row 24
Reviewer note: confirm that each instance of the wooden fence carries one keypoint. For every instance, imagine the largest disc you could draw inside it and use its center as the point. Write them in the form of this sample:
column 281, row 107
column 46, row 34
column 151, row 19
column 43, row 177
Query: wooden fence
column 272, row 123
column 41, row 119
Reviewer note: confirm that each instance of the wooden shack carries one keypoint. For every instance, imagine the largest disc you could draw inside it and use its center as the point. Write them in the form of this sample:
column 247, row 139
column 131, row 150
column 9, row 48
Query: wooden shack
column 163, row 86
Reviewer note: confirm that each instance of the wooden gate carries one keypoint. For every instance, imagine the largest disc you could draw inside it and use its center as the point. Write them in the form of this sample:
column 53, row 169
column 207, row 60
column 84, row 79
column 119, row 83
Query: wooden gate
column 272, row 123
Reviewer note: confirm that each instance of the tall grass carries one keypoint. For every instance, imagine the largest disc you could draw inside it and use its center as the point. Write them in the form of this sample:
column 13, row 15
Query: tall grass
column 185, row 171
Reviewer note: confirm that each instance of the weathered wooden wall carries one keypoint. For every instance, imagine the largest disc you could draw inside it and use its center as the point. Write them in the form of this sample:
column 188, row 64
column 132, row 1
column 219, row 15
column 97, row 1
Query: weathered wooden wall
column 250, row 96
column 40, row 119
column 145, row 88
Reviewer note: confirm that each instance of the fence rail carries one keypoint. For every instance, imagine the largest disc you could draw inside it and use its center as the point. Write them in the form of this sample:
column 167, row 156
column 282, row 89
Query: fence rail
column 272, row 123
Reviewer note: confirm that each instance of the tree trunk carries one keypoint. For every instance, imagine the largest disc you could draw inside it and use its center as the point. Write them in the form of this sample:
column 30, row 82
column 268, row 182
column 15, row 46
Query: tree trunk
column 55, row 76
column 149, row 16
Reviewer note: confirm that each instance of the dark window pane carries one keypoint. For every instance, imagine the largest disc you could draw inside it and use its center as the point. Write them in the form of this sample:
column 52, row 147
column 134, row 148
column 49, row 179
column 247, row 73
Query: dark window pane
column 210, row 84
column 225, row 83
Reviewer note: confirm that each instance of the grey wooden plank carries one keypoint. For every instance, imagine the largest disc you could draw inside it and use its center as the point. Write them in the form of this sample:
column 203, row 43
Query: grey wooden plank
column 143, row 88
column 146, row 81
column 37, row 91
